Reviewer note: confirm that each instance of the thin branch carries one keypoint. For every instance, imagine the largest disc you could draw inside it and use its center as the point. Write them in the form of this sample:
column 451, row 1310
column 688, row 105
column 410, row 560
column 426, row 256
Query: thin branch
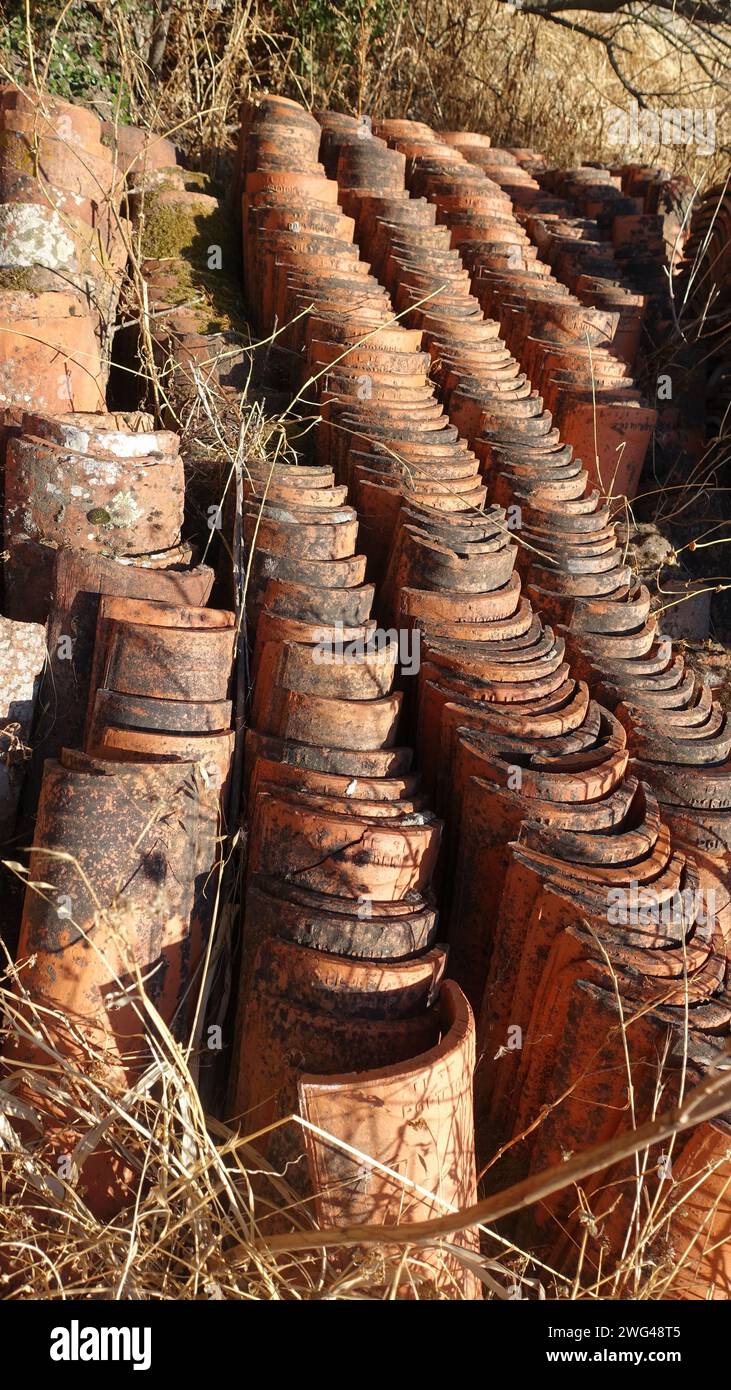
column 705, row 1102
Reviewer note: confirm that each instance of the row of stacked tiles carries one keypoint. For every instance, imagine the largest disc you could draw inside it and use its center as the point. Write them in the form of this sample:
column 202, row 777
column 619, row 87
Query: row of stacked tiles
column 117, row 674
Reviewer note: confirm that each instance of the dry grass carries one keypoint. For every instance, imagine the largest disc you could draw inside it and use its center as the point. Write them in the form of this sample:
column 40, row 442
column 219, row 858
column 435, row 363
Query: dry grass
column 485, row 66
column 480, row 64
column 204, row 1197
column 200, row 1223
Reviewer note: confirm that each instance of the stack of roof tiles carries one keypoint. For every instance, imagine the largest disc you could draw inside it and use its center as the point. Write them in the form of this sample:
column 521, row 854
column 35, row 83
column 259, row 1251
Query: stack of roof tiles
column 62, row 253
column 344, row 1018
column 131, row 738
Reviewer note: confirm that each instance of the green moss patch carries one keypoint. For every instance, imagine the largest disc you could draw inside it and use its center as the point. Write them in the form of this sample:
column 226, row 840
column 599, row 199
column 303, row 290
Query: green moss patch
column 171, row 230
column 183, row 236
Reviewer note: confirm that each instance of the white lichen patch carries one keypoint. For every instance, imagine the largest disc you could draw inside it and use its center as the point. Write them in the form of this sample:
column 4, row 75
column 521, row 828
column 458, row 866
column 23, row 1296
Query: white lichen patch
column 102, row 472
column 32, row 235
column 124, row 509
column 130, row 446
